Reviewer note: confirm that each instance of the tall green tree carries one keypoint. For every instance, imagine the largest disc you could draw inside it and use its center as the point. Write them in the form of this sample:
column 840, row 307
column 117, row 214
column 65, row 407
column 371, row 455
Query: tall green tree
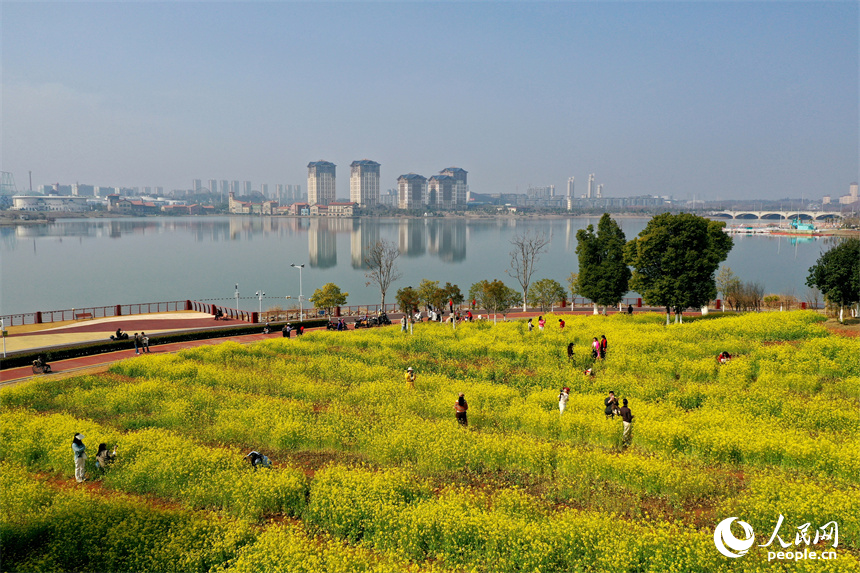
column 603, row 272
column 545, row 293
column 495, row 296
column 452, row 293
column 674, row 260
column 428, row 292
column 408, row 300
column 836, row 274
column 328, row 296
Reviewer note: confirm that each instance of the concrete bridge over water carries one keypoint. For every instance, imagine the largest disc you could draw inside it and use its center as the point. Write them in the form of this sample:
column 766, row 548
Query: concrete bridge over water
column 777, row 215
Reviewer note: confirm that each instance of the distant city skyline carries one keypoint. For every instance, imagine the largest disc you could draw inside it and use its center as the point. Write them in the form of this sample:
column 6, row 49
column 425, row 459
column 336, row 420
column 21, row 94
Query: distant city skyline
column 707, row 100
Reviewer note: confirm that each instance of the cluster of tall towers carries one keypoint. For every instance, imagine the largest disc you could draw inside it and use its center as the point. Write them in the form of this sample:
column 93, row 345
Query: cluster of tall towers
column 446, row 190
column 592, row 192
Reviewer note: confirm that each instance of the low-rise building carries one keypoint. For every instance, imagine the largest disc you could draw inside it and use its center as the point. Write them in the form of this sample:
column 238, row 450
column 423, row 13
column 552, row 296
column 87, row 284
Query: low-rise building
column 55, row 203
column 237, row 207
column 337, row 209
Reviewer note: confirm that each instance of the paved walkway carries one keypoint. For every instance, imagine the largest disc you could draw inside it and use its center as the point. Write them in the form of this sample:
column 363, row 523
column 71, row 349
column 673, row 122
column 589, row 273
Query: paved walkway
column 100, row 362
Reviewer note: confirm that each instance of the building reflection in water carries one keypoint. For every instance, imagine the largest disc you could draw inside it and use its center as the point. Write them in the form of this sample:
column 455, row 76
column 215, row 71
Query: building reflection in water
column 447, row 240
column 411, row 234
column 439, row 237
column 322, row 240
column 365, row 234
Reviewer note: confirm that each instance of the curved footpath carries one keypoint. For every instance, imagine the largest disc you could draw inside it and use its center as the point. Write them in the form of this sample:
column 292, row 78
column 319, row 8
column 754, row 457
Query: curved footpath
column 45, row 336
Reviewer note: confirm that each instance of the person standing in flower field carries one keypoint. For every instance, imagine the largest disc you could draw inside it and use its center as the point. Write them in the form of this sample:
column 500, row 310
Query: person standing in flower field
column 560, row 324
column 460, row 407
column 595, row 349
column 410, row 378
column 570, row 351
column 403, row 324
column 562, row 399
column 531, row 325
column 604, row 344
column 627, row 423
column 611, row 403
column 80, row 452
column 541, row 323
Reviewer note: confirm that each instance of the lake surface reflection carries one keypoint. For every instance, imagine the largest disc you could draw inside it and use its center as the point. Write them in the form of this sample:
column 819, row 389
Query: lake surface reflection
column 101, row 262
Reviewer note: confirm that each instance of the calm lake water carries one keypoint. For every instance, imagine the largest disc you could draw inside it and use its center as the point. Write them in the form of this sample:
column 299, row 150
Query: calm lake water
column 103, row 262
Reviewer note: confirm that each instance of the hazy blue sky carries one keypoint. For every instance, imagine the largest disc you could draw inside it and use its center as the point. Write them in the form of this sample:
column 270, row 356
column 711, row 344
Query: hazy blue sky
column 711, row 99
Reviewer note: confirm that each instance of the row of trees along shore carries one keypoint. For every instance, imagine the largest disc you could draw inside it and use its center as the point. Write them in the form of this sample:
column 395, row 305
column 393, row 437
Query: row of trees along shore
column 672, row 263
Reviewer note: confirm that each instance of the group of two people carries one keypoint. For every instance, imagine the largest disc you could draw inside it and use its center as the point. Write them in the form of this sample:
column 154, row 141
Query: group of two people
column 612, row 410
column 599, row 347
column 460, row 406
column 104, row 457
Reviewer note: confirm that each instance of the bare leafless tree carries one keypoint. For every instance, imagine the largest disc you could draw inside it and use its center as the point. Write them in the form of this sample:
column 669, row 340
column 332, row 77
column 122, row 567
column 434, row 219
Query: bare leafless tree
column 382, row 268
column 524, row 258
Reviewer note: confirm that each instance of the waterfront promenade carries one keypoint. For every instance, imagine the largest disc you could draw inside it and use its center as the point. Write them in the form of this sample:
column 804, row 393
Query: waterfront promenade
column 34, row 337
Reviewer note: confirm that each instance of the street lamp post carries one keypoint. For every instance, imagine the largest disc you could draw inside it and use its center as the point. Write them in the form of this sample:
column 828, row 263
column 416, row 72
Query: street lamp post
column 301, row 309
column 260, row 294
column 237, row 296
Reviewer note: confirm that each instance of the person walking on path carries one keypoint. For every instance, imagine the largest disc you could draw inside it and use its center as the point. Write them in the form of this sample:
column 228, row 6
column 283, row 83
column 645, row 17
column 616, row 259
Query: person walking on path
column 627, row 423
column 104, row 458
column 604, row 344
column 137, row 343
column 410, row 378
column 611, row 403
column 562, row 399
column 144, row 339
column 460, row 407
column 80, row 452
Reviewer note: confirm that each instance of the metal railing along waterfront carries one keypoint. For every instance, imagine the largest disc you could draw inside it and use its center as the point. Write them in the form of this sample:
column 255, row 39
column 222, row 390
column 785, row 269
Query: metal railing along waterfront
column 86, row 313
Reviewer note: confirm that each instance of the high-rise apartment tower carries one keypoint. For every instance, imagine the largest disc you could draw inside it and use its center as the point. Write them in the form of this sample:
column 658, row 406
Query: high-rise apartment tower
column 364, row 182
column 411, row 191
column 321, row 182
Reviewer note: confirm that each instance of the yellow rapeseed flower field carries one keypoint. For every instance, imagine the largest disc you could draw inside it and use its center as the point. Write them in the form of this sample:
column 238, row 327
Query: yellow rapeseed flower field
column 369, row 475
